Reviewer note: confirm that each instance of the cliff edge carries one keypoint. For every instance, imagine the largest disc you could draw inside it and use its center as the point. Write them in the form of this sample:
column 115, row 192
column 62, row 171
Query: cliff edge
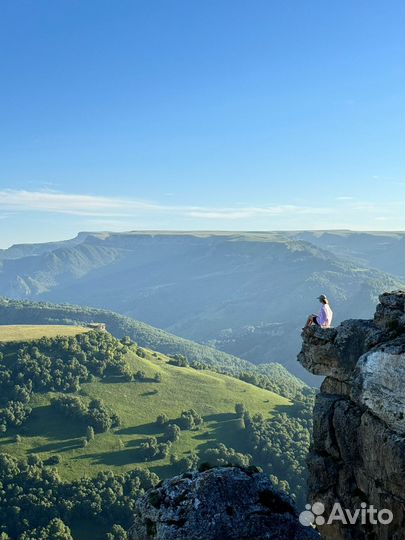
column 357, row 457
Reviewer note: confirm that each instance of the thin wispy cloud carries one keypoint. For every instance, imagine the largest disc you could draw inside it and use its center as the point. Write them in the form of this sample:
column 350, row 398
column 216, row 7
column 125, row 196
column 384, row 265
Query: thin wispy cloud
column 94, row 205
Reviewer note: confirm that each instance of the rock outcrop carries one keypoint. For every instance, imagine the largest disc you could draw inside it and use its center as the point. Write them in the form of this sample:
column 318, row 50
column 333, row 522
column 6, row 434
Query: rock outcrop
column 358, row 454
column 218, row 504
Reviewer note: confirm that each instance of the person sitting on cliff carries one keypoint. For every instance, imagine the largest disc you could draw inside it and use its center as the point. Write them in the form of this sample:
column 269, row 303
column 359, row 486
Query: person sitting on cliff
column 324, row 319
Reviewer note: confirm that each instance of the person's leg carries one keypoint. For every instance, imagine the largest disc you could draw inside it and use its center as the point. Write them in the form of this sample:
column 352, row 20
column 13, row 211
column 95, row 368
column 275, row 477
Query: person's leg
column 311, row 320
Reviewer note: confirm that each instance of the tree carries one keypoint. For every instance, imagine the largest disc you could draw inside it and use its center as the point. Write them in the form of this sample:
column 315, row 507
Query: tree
column 178, row 360
column 117, row 533
column 162, row 419
column 240, row 409
column 53, row 460
column 222, row 455
column 172, row 433
column 140, row 375
column 188, row 463
column 190, row 419
column 90, row 433
column 55, row 529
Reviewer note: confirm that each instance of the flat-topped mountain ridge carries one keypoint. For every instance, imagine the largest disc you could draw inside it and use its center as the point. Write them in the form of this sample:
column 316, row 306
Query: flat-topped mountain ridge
column 244, row 293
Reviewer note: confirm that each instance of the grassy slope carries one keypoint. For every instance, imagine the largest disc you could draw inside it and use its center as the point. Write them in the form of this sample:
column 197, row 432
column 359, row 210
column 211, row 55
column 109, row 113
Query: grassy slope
column 25, row 312
column 24, row 332
column 212, row 395
column 21, row 312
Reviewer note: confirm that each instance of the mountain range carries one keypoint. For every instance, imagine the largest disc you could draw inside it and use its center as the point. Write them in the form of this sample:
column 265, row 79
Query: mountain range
column 244, row 293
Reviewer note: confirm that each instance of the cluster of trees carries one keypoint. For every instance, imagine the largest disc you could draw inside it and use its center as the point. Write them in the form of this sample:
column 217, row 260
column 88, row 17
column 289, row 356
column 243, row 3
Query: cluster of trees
column 35, row 503
column 178, row 360
column 54, row 364
column 13, row 415
column 55, row 529
column 190, row 419
column 95, row 414
column 152, row 449
column 186, row 463
column 280, row 445
column 221, row 456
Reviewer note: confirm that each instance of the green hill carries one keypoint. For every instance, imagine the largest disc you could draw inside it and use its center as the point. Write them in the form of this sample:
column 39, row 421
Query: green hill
column 23, row 312
column 109, row 414
column 138, row 404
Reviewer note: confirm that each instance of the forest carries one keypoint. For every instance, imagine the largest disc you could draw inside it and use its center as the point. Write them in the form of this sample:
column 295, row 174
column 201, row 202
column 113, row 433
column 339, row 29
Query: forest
column 38, row 498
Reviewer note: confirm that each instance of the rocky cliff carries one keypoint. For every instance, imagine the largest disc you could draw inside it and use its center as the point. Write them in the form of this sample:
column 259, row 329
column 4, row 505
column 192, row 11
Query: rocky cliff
column 218, row 504
column 358, row 454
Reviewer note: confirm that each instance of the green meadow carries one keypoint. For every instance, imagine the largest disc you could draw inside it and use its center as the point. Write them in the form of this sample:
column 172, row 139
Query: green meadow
column 137, row 404
column 28, row 332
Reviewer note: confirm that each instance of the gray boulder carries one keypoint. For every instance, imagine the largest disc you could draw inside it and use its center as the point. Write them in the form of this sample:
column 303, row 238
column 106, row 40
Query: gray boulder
column 218, row 504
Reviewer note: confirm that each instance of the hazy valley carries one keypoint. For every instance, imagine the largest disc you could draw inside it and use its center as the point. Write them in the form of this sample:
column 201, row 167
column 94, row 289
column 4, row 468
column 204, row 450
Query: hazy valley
column 244, row 293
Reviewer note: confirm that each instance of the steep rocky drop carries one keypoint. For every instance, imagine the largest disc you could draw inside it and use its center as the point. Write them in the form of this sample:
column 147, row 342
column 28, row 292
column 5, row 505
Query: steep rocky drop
column 358, row 451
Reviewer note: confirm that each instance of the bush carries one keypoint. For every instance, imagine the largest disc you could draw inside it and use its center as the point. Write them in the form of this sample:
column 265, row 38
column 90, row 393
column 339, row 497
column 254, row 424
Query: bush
column 178, row 360
column 96, row 414
column 190, row 420
column 117, row 533
column 140, row 375
column 53, row 460
column 162, row 419
column 222, row 456
column 188, row 463
column 172, row 433
column 240, row 409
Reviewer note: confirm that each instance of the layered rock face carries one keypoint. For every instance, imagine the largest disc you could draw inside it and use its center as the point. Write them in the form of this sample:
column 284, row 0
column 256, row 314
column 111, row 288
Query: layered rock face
column 358, row 452
column 218, row 504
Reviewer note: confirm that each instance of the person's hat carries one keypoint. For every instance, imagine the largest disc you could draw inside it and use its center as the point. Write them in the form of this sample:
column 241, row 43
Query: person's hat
column 322, row 297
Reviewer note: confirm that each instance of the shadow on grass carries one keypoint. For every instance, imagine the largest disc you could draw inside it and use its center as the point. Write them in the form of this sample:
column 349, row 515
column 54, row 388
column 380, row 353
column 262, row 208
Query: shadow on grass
column 149, row 393
column 219, row 417
column 113, row 379
column 46, row 422
column 118, row 457
column 165, row 471
column 62, row 446
column 142, row 429
column 227, row 431
column 6, row 440
column 289, row 409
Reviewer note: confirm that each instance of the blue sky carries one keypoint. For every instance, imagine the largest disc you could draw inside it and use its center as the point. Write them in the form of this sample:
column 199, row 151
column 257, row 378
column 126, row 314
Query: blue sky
column 179, row 114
